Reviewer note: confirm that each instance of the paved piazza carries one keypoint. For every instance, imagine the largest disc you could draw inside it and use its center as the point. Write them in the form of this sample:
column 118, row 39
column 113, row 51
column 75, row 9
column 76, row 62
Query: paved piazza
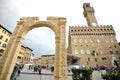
column 30, row 75
column 48, row 75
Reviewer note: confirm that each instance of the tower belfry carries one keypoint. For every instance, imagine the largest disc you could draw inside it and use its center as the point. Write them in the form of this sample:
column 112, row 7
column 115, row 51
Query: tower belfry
column 89, row 15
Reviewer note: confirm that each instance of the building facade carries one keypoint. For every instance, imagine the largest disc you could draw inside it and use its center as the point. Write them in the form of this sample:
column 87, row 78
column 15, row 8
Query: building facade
column 47, row 60
column 4, row 38
column 25, row 54
column 38, row 61
column 94, row 44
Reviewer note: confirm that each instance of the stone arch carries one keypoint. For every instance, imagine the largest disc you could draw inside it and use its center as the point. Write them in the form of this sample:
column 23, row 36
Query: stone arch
column 41, row 24
column 57, row 24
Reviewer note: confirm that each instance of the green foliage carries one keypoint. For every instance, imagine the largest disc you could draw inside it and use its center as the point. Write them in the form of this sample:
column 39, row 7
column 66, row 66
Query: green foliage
column 113, row 75
column 81, row 74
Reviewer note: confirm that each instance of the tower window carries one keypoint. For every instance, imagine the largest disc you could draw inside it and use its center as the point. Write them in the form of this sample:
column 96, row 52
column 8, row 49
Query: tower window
column 88, row 59
column 75, row 41
column 112, row 41
column 80, row 40
column 111, row 52
column 117, row 52
column 88, row 51
column 104, row 58
column 98, row 41
column 95, row 59
column 109, row 46
column 86, row 41
column 115, row 46
column 87, row 5
column 82, row 51
column 76, row 51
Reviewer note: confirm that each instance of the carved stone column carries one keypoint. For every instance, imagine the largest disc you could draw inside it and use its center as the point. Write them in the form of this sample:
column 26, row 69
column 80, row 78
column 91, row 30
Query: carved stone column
column 9, row 58
column 61, row 55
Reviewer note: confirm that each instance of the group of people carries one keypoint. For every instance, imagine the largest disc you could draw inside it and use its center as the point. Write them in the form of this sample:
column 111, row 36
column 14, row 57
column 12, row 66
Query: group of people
column 38, row 68
column 17, row 68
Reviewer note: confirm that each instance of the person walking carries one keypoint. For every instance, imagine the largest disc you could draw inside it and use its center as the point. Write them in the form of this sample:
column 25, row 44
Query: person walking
column 15, row 72
column 18, row 70
column 52, row 68
column 39, row 69
column 116, row 63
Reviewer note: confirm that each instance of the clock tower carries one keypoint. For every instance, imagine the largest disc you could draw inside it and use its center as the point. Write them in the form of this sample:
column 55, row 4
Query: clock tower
column 89, row 14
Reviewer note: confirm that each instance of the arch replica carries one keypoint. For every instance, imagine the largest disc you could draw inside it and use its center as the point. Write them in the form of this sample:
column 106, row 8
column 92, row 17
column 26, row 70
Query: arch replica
column 57, row 24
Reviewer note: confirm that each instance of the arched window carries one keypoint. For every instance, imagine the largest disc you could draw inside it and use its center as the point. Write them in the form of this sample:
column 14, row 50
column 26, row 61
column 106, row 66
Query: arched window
column 6, row 40
column 86, row 41
column 80, row 40
column 75, row 41
column 4, row 45
column 1, row 50
column 82, row 52
column 1, row 36
column 76, row 51
column 88, row 51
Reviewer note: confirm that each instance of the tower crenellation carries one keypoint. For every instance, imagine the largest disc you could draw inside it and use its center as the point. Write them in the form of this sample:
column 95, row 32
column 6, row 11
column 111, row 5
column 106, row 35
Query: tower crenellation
column 99, row 29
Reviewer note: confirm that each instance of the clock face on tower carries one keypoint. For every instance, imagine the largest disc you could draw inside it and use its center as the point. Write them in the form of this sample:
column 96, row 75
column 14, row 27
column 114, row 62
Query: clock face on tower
column 94, row 24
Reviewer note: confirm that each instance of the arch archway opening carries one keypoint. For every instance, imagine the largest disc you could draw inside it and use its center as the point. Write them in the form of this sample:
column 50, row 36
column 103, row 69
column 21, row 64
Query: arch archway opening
column 44, row 38
column 42, row 42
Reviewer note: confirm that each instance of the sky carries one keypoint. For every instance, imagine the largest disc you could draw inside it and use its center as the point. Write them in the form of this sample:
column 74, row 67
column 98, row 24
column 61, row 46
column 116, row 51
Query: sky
column 42, row 40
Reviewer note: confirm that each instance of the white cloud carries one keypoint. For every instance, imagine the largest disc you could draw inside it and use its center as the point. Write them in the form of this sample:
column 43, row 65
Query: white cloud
column 42, row 40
